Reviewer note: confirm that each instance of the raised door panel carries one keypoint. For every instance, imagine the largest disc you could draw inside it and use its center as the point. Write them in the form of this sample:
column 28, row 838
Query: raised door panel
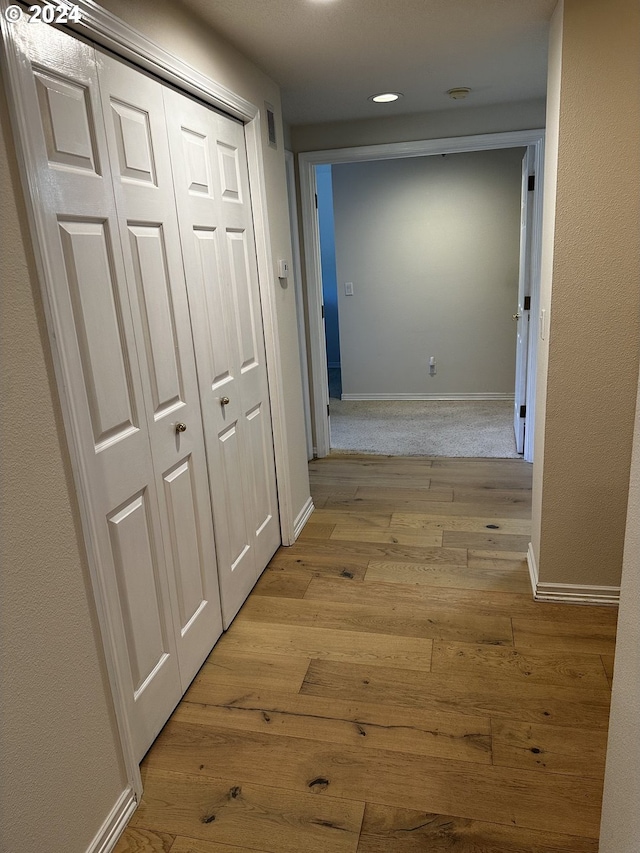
column 97, row 313
column 148, row 253
column 264, row 509
column 237, row 576
column 231, row 187
column 139, row 153
column 218, row 365
column 245, row 320
column 197, row 163
column 150, row 644
column 133, row 140
column 184, row 512
column 93, row 328
column 66, row 122
column 137, row 577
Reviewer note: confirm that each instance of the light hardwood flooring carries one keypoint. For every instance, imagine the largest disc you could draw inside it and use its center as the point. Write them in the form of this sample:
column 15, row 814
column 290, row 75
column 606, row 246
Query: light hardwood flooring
column 390, row 686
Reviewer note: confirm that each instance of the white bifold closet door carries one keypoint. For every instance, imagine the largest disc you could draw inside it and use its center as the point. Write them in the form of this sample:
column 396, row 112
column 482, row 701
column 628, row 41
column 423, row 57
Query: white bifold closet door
column 121, row 314
column 212, row 193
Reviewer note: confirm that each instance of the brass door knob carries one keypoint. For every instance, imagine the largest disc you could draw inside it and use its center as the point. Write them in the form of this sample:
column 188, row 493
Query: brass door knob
column 180, row 427
column 224, row 401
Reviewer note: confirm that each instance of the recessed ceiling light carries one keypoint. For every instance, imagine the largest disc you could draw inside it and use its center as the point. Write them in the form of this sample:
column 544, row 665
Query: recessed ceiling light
column 385, row 97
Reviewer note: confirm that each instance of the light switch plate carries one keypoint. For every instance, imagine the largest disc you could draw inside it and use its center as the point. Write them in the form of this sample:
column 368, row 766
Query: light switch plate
column 348, row 288
column 283, row 269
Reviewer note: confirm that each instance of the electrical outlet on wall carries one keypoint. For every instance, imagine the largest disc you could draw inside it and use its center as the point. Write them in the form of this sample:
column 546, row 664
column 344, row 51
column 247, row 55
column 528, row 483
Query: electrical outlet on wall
column 432, row 365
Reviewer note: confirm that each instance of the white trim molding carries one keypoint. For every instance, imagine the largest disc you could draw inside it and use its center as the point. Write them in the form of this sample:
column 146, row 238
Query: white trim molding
column 303, row 516
column 105, row 29
column 107, row 836
column 569, row 593
column 307, row 162
column 533, row 568
column 290, row 166
column 266, row 284
column 426, row 397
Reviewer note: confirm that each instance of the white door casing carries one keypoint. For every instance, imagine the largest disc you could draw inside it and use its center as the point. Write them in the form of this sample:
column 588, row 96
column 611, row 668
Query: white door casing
column 134, row 119
column 307, row 161
column 212, row 193
column 523, row 312
column 315, row 301
column 300, row 312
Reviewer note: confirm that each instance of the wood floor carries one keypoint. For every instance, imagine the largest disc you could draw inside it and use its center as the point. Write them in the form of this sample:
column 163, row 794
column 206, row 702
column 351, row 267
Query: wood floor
column 390, row 686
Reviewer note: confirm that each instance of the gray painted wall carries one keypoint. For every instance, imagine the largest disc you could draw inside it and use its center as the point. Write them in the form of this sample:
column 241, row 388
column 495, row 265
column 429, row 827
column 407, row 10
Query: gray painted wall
column 431, row 245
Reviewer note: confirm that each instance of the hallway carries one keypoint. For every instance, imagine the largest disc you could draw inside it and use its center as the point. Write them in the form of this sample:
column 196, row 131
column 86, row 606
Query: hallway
column 390, row 686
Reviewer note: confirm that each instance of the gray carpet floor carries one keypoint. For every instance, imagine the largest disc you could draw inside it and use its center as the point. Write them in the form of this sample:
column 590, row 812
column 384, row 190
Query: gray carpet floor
column 424, row 428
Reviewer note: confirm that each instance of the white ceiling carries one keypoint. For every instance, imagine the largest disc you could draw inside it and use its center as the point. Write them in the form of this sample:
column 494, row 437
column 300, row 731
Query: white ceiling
column 330, row 55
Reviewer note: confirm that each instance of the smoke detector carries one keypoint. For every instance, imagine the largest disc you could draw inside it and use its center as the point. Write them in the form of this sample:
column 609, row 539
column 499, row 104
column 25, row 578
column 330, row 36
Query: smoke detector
column 459, row 94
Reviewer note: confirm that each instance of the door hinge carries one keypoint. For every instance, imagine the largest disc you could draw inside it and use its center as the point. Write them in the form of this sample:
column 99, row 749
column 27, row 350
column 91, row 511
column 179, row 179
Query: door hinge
column 530, row 186
column 527, row 304
column 328, row 410
column 323, row 312
column 523, row 411
column 316, row 201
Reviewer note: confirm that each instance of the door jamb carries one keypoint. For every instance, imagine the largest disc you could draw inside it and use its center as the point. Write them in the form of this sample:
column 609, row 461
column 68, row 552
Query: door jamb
column 106, row 30
column 289, row 159
column 534, row 314
column 307, row 162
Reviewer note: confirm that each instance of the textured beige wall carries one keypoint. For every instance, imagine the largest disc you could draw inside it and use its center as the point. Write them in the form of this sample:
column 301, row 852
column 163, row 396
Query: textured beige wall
column 461, row 119
column 61, row 773
column 620, row 831
column 592, row 369
column 552, row 137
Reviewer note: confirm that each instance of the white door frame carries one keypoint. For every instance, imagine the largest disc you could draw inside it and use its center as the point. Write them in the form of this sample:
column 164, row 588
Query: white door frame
column 104, row 29
column 289, row 160
column 307, row 162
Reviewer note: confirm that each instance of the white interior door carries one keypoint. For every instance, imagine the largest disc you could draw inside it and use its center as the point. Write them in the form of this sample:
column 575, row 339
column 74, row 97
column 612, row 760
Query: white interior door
column 96, row 333
column 522, row 315
column 134, row 118
column 214, row 212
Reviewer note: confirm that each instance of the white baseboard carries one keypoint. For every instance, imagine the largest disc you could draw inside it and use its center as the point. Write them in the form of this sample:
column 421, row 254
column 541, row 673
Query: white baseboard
column 486, row 396
column 569, row 593
column 107, row 836
column 303, row 517
column 533, row 569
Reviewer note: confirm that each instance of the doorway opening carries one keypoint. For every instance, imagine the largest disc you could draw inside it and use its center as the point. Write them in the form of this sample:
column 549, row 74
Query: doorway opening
column 426, row 286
